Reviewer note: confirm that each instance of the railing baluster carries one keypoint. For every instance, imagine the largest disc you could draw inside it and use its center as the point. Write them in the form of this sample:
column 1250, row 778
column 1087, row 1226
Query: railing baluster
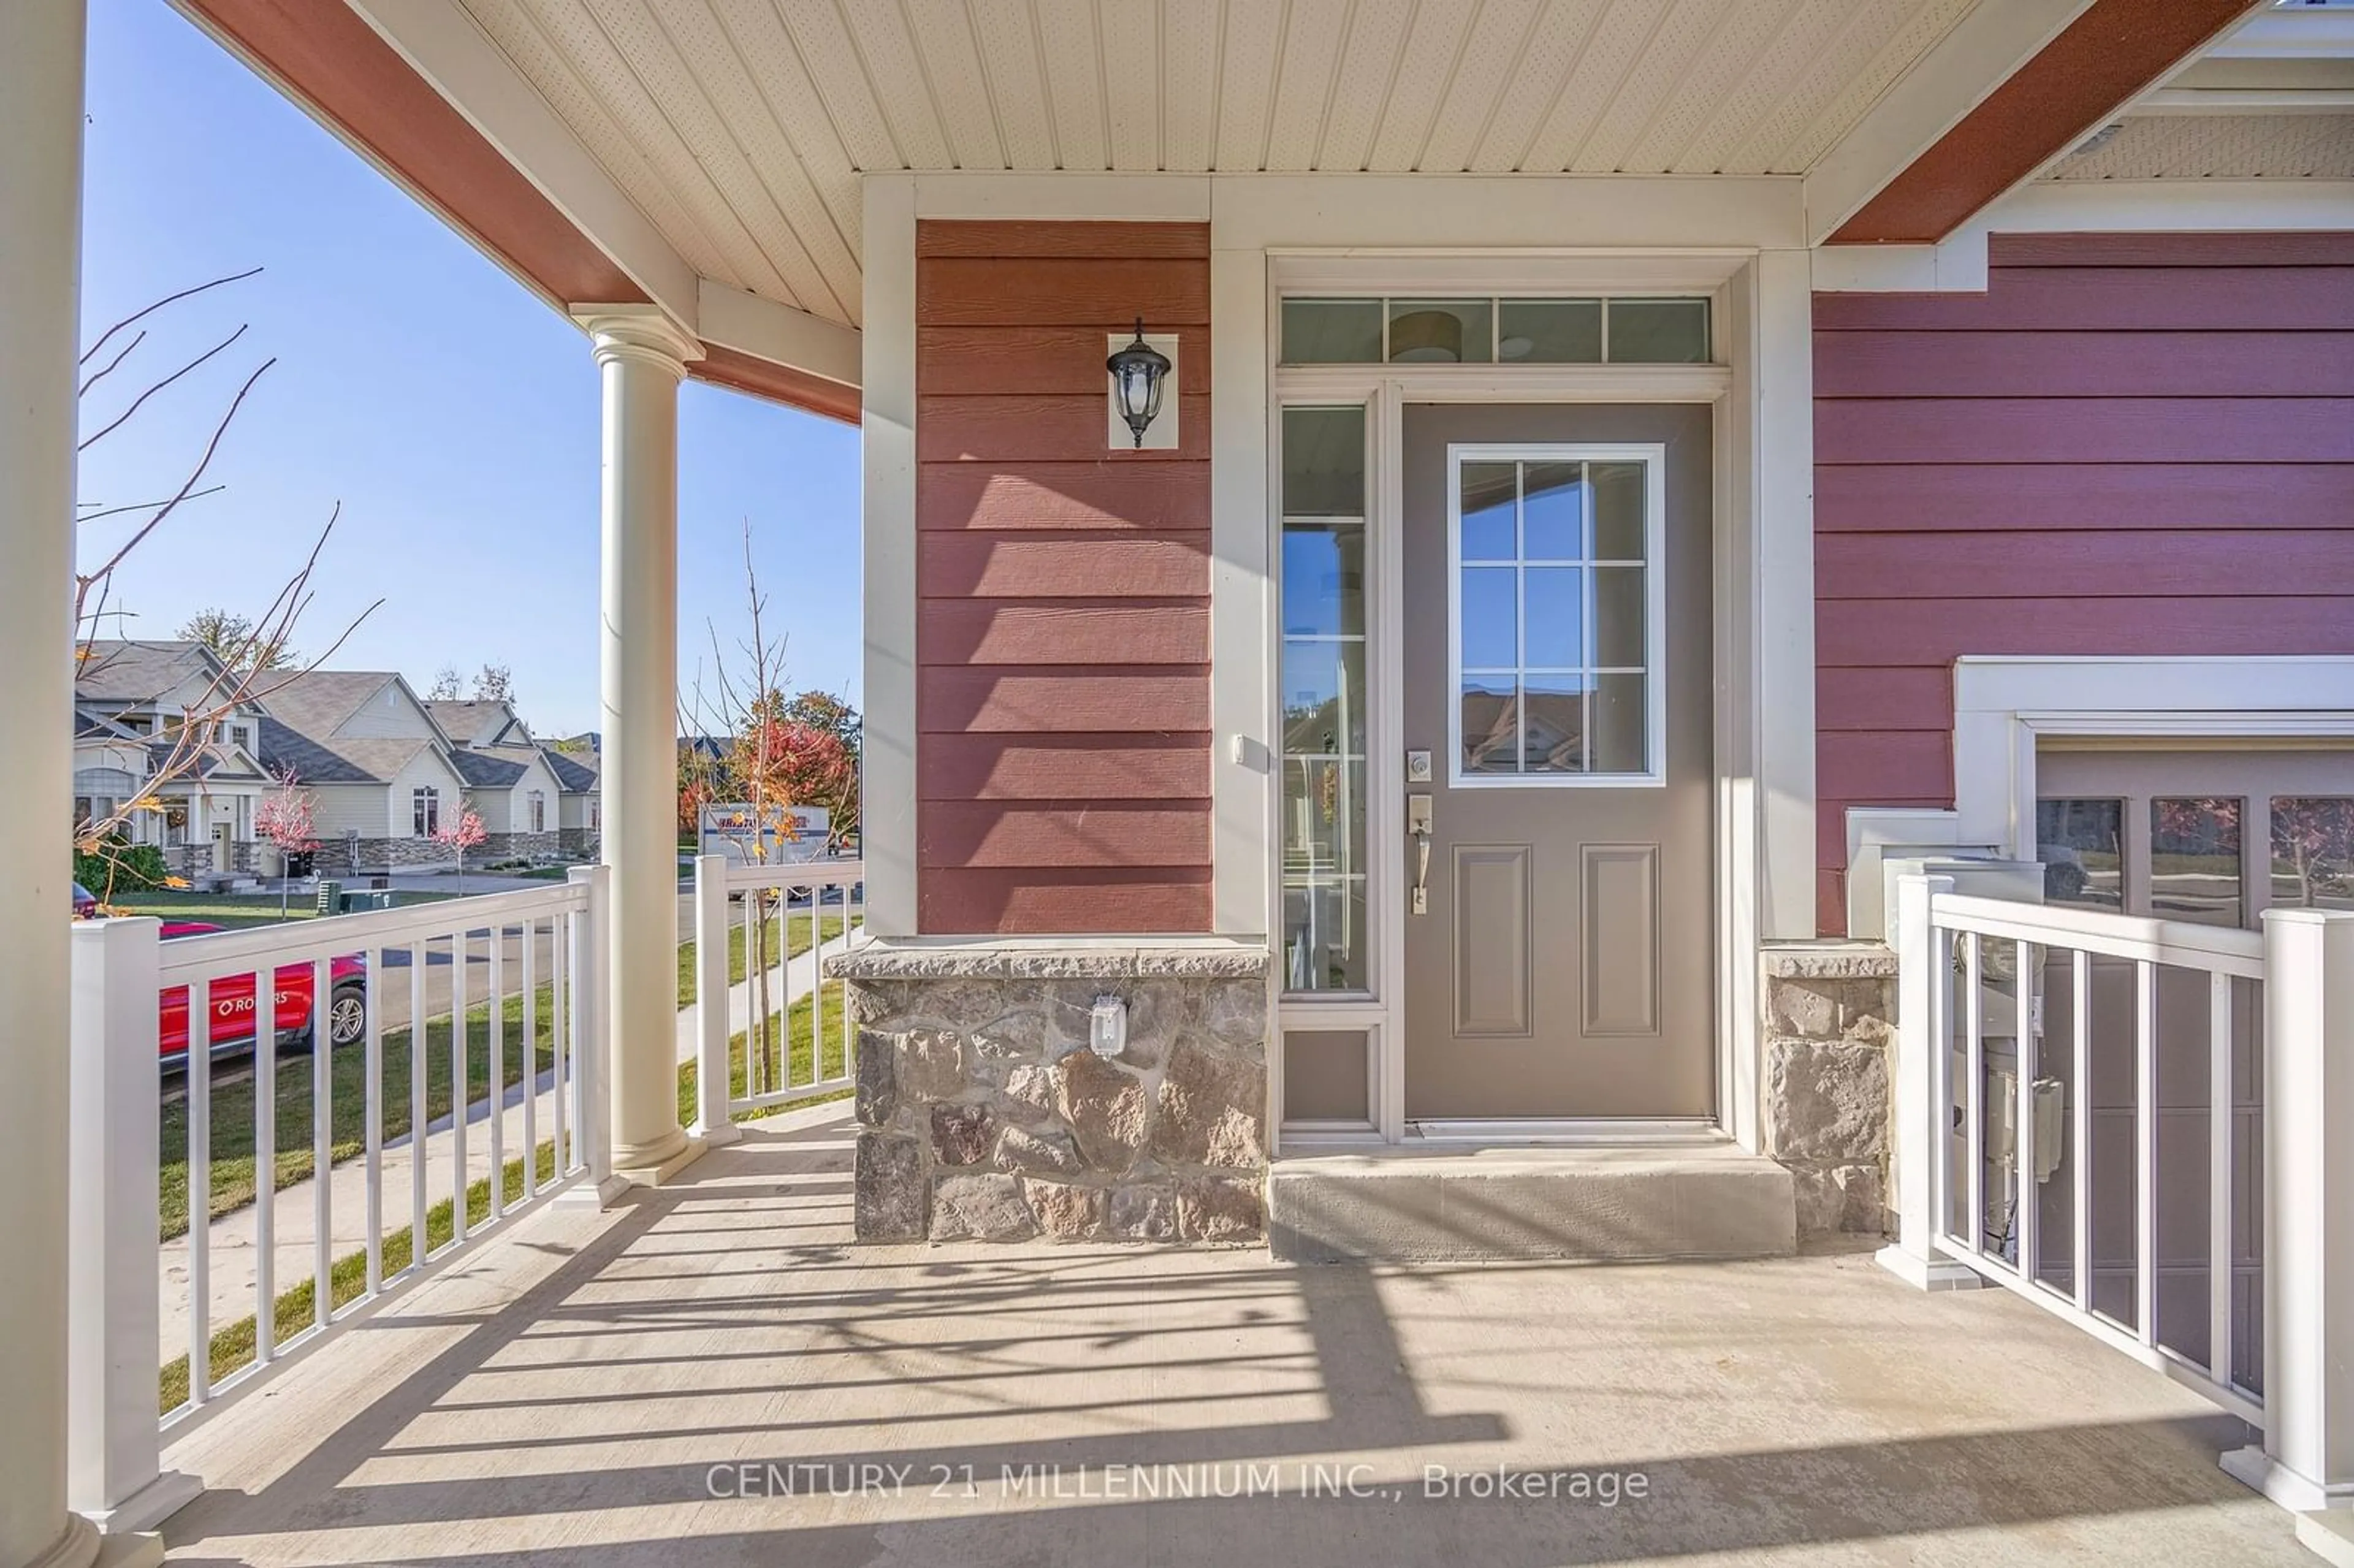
column 460, row 1095
column 200, row 1191
column 530, row 1058
column 419, row 954
column 265, row 1177
column 1974, row 1022
column 2080, row 1115
column 322, row 1144
column 561, row 1034
column 496, row 1096
column 372, row 1102
column 2219, row 1179
column 2025, row 1222
column 2146, row 1151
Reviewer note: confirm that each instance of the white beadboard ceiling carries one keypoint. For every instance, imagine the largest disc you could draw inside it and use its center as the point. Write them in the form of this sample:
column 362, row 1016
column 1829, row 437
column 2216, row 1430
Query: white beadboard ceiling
column 739, row 127
column 2218, row 146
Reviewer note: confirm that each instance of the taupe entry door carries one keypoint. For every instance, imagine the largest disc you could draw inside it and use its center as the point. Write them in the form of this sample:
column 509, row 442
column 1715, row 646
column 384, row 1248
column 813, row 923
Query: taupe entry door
column 1558, row 674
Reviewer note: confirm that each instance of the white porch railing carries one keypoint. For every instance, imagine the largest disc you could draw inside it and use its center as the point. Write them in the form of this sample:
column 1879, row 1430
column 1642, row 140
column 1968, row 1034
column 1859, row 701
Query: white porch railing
column 538, row 951
column 758, row 911
column 2206, row 1234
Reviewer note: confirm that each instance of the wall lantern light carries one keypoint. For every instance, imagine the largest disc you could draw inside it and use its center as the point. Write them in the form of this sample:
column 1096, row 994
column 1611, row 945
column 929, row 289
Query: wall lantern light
column 1139, row 376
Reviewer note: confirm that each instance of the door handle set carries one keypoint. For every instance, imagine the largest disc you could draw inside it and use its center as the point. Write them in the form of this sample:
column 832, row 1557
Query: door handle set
column 1417, row 822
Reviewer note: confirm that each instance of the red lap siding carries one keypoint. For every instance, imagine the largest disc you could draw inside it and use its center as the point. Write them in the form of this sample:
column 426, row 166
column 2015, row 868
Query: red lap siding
column 1062, row 642
column 2129, row 444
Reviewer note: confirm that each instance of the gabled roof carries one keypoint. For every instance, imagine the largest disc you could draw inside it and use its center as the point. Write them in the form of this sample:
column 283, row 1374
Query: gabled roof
column 577, row 773
column 286, row 749
column 317, row 701
column 482, row 770
column 221, row 761
column 90, row 725
column 462, row 720
column 140, row 671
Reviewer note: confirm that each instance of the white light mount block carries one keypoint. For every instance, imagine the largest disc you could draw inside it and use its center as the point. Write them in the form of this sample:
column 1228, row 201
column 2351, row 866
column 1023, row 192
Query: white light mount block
column 1107, row 1026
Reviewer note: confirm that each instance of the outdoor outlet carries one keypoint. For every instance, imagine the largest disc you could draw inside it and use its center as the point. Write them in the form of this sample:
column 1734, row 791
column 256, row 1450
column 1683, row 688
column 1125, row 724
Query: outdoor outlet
column 1107, row 1026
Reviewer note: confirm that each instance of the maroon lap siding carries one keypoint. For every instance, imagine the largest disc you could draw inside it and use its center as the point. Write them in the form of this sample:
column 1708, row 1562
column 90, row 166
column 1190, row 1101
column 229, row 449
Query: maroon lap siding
column 2129, row 444
column 1063, row 622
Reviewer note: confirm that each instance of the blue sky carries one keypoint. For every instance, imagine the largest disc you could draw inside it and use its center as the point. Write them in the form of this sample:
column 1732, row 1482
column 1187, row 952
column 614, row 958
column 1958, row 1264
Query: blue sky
column 452, row 413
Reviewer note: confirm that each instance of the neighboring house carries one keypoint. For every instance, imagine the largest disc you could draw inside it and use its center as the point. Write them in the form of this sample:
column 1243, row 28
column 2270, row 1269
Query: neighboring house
column 382, row 775
column 579, row 804
column 510, row 779
column 132, row 699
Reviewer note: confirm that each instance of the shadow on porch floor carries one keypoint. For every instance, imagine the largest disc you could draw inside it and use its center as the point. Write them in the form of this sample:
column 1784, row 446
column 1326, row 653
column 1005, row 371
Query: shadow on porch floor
column 579, row 1393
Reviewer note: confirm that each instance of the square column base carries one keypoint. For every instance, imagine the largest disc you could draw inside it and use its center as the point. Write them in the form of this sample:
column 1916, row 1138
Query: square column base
column 2259, row 1471
column 1928, row 1273
column 148, row 1507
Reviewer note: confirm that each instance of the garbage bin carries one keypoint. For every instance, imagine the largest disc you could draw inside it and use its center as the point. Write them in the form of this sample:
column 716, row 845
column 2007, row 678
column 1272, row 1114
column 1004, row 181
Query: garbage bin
column 330, row 898
column 379, row 883
column 358, row 901
column 300, row 863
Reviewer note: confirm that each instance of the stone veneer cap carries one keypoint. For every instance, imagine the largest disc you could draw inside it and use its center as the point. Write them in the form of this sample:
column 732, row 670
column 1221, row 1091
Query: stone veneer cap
column 1828, row 960
column 884, row 960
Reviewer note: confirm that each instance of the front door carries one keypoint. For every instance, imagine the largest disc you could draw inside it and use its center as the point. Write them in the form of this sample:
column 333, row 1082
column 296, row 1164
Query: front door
column 1558, row 674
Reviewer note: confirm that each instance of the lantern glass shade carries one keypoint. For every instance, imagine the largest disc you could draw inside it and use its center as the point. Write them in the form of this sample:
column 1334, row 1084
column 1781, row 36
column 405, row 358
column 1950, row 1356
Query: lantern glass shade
column 1137, row 373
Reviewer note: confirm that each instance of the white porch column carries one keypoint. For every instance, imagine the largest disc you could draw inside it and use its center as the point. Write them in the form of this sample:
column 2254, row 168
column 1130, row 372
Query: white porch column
column 41, row 54
column 1925, row 983
column 641, row 355
column 2307, row 1460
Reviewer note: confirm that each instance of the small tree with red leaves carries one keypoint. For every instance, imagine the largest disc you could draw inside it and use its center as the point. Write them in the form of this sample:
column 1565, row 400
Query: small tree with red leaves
column 283, row 820
column 461, row 834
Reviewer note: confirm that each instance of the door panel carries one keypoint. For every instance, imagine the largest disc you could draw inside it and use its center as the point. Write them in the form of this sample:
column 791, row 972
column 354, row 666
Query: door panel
column 1564, row 966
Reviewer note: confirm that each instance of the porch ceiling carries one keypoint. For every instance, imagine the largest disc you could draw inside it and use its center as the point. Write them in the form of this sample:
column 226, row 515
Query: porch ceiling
column 741, row 127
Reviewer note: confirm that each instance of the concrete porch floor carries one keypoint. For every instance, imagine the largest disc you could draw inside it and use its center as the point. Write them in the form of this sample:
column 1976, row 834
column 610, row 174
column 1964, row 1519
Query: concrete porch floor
column 575, row 1394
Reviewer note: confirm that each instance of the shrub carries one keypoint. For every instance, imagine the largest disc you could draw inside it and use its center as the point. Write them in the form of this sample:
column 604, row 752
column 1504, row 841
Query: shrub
column 118, row 865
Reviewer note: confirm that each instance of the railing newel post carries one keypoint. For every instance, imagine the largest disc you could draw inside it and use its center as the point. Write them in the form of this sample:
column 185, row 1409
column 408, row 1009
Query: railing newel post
column 712, row 1121
column 113, row 1447
column 1923, row 992
column 2305, row 1461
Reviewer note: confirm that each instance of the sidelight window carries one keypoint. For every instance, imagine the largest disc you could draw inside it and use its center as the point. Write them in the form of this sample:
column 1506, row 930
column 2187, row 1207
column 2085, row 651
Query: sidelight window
column 1324, row 700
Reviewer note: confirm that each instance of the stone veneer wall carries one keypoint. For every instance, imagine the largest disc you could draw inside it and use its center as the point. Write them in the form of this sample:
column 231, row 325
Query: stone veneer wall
column 1830, row 1013
column 983, row 1115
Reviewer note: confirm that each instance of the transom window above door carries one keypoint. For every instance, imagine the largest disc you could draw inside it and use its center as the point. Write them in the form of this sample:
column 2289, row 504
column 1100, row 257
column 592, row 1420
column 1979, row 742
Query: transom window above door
column 1638, row 330
column 1555, row 605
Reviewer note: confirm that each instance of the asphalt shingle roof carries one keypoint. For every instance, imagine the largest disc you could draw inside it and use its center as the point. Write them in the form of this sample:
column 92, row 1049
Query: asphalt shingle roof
column 287, row 749
column 126, row 672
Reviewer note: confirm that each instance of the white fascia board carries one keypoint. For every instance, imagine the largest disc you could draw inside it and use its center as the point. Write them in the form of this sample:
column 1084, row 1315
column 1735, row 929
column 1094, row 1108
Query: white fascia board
column 731, row 318
column 2087, row 207
column 442, row 44
column 1982, row 52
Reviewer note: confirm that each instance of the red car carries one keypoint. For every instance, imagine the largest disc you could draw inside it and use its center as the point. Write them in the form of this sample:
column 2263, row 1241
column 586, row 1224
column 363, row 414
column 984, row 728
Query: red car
column 232, row 1004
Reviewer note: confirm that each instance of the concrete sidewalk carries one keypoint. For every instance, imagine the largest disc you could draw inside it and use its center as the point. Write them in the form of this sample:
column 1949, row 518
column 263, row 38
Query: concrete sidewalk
column 231, row 1254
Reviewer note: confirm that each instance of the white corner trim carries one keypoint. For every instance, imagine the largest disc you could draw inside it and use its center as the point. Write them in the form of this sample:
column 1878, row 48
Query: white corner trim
column 1984, row 50
column 2003, row 706
column 887, row 450
column 1242, row 738
column 2068, row 206
column 731, row 318
column 445, row 45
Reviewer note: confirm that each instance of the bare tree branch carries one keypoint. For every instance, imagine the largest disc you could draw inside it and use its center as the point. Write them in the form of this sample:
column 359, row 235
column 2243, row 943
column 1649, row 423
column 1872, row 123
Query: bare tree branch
column 100, row 373
column 121, row 418
column 204, row 462
column 148, row 505
column 91, row 352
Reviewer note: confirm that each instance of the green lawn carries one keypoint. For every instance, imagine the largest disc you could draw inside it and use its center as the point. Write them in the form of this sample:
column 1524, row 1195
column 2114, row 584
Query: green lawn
column 237, row 912
column 232, row 1345
column 794, row 1030
column 796, row 943
column 234, row 1180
